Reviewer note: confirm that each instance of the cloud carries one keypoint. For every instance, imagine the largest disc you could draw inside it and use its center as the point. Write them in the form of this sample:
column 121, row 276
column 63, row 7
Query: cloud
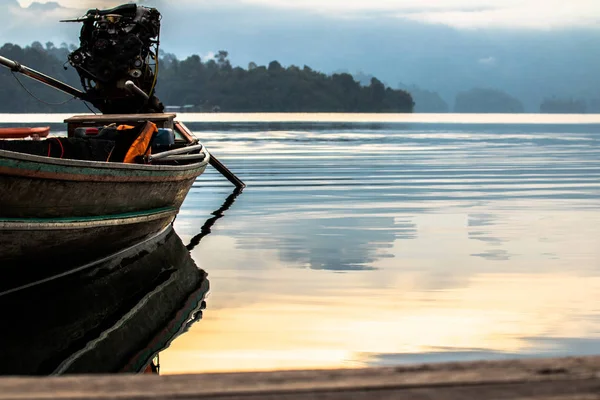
column 532, row 14
column 208, row 56
column 362, row 6
column 75, row 4
column 463, row 14
column 396, row 41
column 528, row 14
column 489, row 61
column 49, row 6
column 40, row 19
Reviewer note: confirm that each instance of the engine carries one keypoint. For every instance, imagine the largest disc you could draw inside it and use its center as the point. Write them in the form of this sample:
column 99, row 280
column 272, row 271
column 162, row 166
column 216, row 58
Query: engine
column 116, row 46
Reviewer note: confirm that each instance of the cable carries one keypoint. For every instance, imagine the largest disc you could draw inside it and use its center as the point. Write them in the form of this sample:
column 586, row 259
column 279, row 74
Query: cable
column 156, row 66
column 89, row 108
column 37, row 98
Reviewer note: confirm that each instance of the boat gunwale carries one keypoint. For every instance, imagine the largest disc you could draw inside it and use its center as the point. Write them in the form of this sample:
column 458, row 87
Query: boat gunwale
column 104, row 164
column 24, row 224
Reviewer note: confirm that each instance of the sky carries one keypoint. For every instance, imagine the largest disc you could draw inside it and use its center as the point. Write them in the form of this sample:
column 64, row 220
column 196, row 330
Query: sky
column 464, row 14
column 531, row 49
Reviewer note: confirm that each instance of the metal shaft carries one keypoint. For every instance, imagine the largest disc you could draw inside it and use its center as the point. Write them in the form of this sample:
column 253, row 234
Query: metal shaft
column 183, row 150
column 45, row 79
column 136, row 90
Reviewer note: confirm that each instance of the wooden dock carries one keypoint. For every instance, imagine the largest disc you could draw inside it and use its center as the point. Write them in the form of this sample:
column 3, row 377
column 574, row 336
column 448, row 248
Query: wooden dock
column 557, row 379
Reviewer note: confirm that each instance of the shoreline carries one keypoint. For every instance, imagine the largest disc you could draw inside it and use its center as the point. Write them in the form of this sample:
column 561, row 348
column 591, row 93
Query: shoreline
column 561, row 378
column 449, row 118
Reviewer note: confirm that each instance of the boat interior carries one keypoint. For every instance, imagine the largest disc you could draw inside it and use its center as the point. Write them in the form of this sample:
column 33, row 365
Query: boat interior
column 109, row 138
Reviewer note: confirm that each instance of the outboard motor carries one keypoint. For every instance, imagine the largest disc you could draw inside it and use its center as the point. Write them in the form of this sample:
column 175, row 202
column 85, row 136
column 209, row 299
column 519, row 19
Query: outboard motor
column 119, row 45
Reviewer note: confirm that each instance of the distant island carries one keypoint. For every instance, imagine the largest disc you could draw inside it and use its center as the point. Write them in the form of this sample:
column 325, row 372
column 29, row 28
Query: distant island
column 563, row 106
column 483, row 100
column 196, row 85
column 426, row 101
column 212, row 85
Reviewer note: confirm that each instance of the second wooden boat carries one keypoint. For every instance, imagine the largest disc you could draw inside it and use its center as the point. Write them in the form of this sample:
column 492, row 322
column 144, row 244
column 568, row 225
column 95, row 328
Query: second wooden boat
column 24, row 132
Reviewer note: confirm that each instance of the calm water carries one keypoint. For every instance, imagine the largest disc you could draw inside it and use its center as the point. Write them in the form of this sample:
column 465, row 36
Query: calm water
column 388, row 241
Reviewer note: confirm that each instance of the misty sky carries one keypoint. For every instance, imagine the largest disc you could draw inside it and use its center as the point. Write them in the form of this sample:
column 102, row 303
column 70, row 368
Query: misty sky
column 530, row 48
column 536, row 14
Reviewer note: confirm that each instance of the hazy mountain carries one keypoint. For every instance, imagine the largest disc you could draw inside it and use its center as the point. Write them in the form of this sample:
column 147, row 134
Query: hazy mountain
column 426, row 101
column 594, row 105
column 483, row 100
column 563, row 106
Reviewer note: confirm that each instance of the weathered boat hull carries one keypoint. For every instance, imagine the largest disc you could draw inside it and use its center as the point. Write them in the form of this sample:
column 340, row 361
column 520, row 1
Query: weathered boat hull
column 43, row 187
column 72, row 210
column 61, row 242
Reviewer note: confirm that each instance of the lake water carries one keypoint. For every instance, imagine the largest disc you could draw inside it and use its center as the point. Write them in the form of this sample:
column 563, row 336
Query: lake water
column 382, row 240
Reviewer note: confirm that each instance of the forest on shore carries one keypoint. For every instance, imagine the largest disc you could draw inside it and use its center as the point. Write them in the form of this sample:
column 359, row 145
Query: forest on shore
column 197, row 85
column 212, row 85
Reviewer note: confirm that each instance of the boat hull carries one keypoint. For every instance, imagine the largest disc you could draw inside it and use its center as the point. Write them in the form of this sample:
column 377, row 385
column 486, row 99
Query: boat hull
column 64, row 211
column 61, row 242
column 44, row 187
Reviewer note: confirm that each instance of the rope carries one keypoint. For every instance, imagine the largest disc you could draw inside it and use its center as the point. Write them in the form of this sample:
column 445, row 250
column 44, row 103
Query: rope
column 62, row 149
column 89, row 108
column 110, row 154
column 33, row 95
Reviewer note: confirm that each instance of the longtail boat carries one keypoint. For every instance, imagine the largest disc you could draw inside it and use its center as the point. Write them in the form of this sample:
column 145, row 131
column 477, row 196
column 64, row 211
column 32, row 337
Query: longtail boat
column 78, row 197
column 117, row 177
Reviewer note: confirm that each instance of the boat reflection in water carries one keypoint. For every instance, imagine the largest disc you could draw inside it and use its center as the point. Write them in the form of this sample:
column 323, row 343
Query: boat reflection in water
column 112, row 316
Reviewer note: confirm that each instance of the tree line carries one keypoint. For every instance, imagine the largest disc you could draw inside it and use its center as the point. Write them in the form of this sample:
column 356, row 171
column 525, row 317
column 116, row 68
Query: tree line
column 215, row 85
column 211, row 85
column 14, row 87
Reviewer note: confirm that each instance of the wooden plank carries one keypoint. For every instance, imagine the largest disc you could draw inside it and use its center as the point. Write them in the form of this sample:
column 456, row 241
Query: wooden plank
column 162, row 120
column 559, row 379
column 120, row 117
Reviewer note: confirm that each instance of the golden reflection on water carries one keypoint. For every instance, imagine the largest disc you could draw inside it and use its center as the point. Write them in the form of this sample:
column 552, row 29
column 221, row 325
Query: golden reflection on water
column 448, row 288
column 378, row 245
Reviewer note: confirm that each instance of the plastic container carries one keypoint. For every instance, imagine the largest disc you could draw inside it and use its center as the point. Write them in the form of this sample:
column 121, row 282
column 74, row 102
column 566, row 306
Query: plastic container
column 163, row 140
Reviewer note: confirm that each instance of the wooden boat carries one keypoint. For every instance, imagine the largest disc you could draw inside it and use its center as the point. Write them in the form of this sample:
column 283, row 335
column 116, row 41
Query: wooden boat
column 112, row 315
column 116, row 178
column 85, row 205
column 24, row 132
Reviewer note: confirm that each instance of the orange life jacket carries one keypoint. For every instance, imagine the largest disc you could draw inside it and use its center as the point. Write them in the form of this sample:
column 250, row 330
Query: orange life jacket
column 141, row 144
